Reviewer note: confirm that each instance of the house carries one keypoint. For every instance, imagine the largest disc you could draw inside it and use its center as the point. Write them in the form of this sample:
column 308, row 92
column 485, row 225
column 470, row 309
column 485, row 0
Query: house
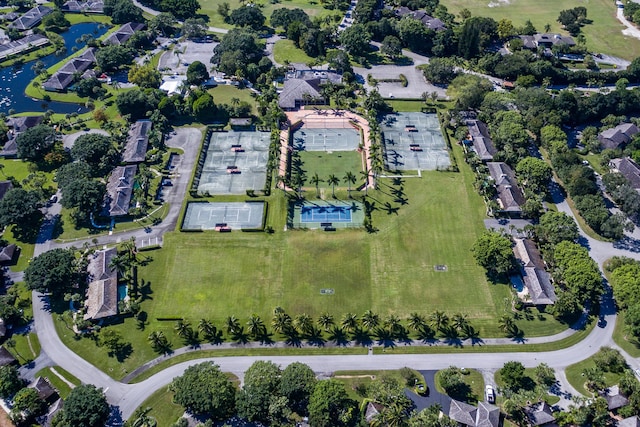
column 618, row 136
column 540, row 290
column 124, row 33
column 240, row 122
column 4, row 187
column 304, row 72
column 102, row 292
column 8, row 253
column 89, row 6
column 66, row 75
column 45, row 390
column 6, row 358
column 372, row 411
column 539, row 414
column 546, row 41
column 17, row 125
column 482, row 142
column 53, row 410
column 119, row 190
column 135, row 150
column 297, row 92
column 629, row 169
column 30, row 19
column 8, row 17
column 420, row 15
column 615, row 399
column 629, row 422
column 510, row 197
column 30, row 42
column 485, row 415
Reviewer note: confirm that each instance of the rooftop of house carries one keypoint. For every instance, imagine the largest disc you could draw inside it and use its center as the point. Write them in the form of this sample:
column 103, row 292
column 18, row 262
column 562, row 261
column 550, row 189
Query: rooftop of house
column 123, row 33
column 482, row 142
column 629, row 169
column 31, row 18
column 119, row 190
column 510, row 196
column 135, row 151
column 295, row 91
column 618, row 136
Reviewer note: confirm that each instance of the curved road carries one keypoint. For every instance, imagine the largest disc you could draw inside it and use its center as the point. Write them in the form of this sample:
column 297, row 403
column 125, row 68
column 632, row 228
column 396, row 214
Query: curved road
column 127, row 397
column 155, row 13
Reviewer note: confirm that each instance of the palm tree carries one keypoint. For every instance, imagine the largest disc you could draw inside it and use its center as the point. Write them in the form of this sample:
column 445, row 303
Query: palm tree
column 349, row 321
column 256, row 326
column 325, row 321
column 416, row 321
column 235, row 101
column 159, row 341
column 316, row 180
column 208, row 329
column 333, row 181
column 233, row 325
column 439, row 320
column 393, row 324
column 303, row 322
column 393, row 415
column 459, row 321
column 183, row 328
column 280, row 321
column 365, row 174
column 11, row 343
column 370, row 320
column 349, row 178
column 141, row 418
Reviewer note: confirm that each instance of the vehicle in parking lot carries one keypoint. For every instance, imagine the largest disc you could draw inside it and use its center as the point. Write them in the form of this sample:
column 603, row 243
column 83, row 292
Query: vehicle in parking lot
column 490, row 394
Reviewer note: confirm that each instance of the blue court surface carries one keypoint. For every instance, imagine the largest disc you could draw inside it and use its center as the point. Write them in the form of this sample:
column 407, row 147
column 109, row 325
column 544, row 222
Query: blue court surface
column 325, row 214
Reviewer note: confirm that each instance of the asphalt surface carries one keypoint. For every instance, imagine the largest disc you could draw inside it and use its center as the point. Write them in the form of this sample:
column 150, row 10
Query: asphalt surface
column 69, row 140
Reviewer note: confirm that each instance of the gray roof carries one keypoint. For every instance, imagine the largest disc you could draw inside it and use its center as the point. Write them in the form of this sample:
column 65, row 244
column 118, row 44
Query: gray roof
column 135, row 151
column 463, row 413
column 28, row 42
column 618, row 136
column 629, row 169
column 119, row 190
column 553, row 39
column 4, row 187
column 123, row 33
column 98, row 267
column 102, row 293
column 44, row 388
column 534, row 275
column 482, row 142
column 11, row 16
column 539, row 414
column 372, row 411
column 63, row 78
column 89, row 6
column 614, row 399
column 294, row 90
column 20, row 124
column 304, row 72
column 6, row 358
column 31, row 18
column 510, row 197
column 487, row 415
column 420, row 15
column 10, row 148
column 7, row 253
column 630, row 422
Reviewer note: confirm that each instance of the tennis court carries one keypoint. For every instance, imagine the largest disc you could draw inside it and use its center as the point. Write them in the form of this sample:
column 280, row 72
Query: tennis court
column 223, row 216
column 326, row 139
column 414, row 141
column 324, row 214
column 234, row 163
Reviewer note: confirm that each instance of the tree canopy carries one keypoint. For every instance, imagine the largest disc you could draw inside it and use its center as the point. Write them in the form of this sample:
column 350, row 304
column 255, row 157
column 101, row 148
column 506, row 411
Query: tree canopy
column 35, row 142
column 85, row 406
column 10, row 382
column 247, row 16
column 113, row 57
column 297, row 384
column 493, row 251
column 95, row 150
column 53, row 271
column 20, row 207
column 355, row 39
column 261, row 385
column 554, row 227
column 197, row 73
column 330, row 406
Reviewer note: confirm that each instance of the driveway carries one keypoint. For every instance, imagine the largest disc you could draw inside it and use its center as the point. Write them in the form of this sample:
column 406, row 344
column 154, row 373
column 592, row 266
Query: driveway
column 177, row 60
column 631, row 29
column 69, row 140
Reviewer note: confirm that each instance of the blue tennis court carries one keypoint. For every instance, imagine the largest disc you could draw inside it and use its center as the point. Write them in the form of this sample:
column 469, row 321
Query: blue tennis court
column 325, row 214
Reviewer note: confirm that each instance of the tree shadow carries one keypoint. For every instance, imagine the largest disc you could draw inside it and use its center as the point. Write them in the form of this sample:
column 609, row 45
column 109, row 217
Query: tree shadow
column 122, row 353
column 361, row 337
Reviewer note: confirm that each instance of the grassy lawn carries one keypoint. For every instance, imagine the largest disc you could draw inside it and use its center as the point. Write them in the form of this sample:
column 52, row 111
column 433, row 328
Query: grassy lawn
column 603, row 35
column 473, row 379
column 224, row 94
column 575, row 378
column 353, row 379
column 325, row 164
column 63, row 388
column 27, row 347
column 284, row 51
column 628, row 343
column 26, row 249
column 162, row 407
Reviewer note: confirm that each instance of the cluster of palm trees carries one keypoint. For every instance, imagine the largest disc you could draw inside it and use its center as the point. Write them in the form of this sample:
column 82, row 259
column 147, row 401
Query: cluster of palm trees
column 362, row 330
column 349, row 178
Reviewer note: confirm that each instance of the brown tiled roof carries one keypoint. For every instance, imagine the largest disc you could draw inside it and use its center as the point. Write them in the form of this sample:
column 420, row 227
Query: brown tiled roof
column 98, row 268
column 102, row 299
column 614, row 398
column 6, row 358
column 44, row 388
column 510, row 196
column 482, row 142
column 534, row 275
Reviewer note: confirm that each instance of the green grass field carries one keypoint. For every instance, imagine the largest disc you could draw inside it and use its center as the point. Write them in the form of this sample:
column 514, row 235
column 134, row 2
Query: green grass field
column 165, row 412
column 224, row 94
column 473, row 379
column 285, row 51
column 575, row 378
column 603, row 35
column 63, row 388
column 325, row 164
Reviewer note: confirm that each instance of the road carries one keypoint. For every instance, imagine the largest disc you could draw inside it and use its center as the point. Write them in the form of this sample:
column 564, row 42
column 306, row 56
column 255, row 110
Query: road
column 155, row 13
column 631, row 29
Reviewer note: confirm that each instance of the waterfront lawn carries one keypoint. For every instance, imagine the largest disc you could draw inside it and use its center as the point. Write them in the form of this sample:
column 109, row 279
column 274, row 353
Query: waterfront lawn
column 604, row 35
column 285, row 51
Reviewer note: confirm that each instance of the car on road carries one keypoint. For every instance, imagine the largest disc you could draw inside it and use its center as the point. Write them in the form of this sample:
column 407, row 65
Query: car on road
column 490, row 394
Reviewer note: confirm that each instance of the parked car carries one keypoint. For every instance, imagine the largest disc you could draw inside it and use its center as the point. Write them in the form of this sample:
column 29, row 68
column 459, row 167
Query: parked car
column 489, row 394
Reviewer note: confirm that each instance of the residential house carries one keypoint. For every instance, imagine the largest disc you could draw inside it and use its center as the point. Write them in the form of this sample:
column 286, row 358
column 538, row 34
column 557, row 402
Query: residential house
column 119, row 190
column 629, row 422
column 4, row 187
column 629, row 169
column 45, row 390
column 8, row 17
column 135, row 150
column 17, row 125
column 74, row 68
column 618, row 137
column 8, row 253
column 298, row 92
column 615, row 399
column 304, row 72
column 539, row 414
column 429, row 21
column 485, row 415
column 546, row 41
column 53, row 410
column 102, row 292
column 6, row 358
column 510, row 197
column 539, row 289
column 30, row 42
column 89, row 6
column 124, row 33
column 372, row 411
column 482, row 142
column 31, row 18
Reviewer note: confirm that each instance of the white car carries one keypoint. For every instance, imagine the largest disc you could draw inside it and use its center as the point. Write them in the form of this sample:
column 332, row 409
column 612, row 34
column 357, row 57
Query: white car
column 489, row 394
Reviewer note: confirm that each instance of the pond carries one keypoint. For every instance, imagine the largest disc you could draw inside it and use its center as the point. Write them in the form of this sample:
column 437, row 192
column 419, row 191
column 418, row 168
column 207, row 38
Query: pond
column 14, row 80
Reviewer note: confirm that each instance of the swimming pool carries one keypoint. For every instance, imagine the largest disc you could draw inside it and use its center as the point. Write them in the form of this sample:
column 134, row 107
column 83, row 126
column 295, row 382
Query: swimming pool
column 122, row 292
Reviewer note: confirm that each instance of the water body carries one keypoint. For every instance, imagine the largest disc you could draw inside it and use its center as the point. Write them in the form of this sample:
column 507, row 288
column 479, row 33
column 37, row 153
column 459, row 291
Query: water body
column 14, row 80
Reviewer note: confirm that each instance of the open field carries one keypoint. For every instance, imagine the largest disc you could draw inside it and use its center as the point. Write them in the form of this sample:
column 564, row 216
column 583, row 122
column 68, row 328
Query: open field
column 285, row 51
column 337, row 163
column 603, row 35
column 224, row 94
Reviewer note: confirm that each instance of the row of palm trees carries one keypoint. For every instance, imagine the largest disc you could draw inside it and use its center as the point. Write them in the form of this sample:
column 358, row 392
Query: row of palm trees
column 349, row 178
column 350, row 327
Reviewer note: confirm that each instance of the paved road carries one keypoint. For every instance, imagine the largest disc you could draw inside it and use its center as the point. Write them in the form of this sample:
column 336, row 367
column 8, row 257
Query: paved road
column 69, row 140
column 155, row 13
column 631, row 29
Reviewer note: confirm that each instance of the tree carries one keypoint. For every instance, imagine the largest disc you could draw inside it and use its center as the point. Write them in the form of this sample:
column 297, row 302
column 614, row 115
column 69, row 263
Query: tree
column 35, row 142
column 296, row 384
column 56, row 22
column 53, row 271
column 145, row 76
column 113, row 57
column 163, row 23
column 493, row 251
column 10, row 382
column 138, row 103
column 505, row 29
column 182, row 9
column 535, row 174
column 205, row 389
column 247, row 16
column 284, row 17
column 439, row 71
column 27, row 405
column 261, row 384
column 316, row 180
column 86, row 406
column 237, row 49
column 204, row 108
column 21, row 208
column 350, row 179
column 330, row 406
column 123, row 11
column 555, row 227
column 85, row 195
column 608, row 359
column 545, row 375
column 469, row 90
column 452, row 382
column 223, row 10
column 197, row 73
column 355, row 39
column 194, row 28
column 111, row 339
column 333, row 180
column 95, row 150
column 632, row 320
column 391, row 46
column 415, row 35
column 512, row 373
column 159, row 342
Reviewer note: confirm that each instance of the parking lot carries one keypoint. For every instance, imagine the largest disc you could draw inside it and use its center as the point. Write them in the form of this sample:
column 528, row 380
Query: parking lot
column 178, row 58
